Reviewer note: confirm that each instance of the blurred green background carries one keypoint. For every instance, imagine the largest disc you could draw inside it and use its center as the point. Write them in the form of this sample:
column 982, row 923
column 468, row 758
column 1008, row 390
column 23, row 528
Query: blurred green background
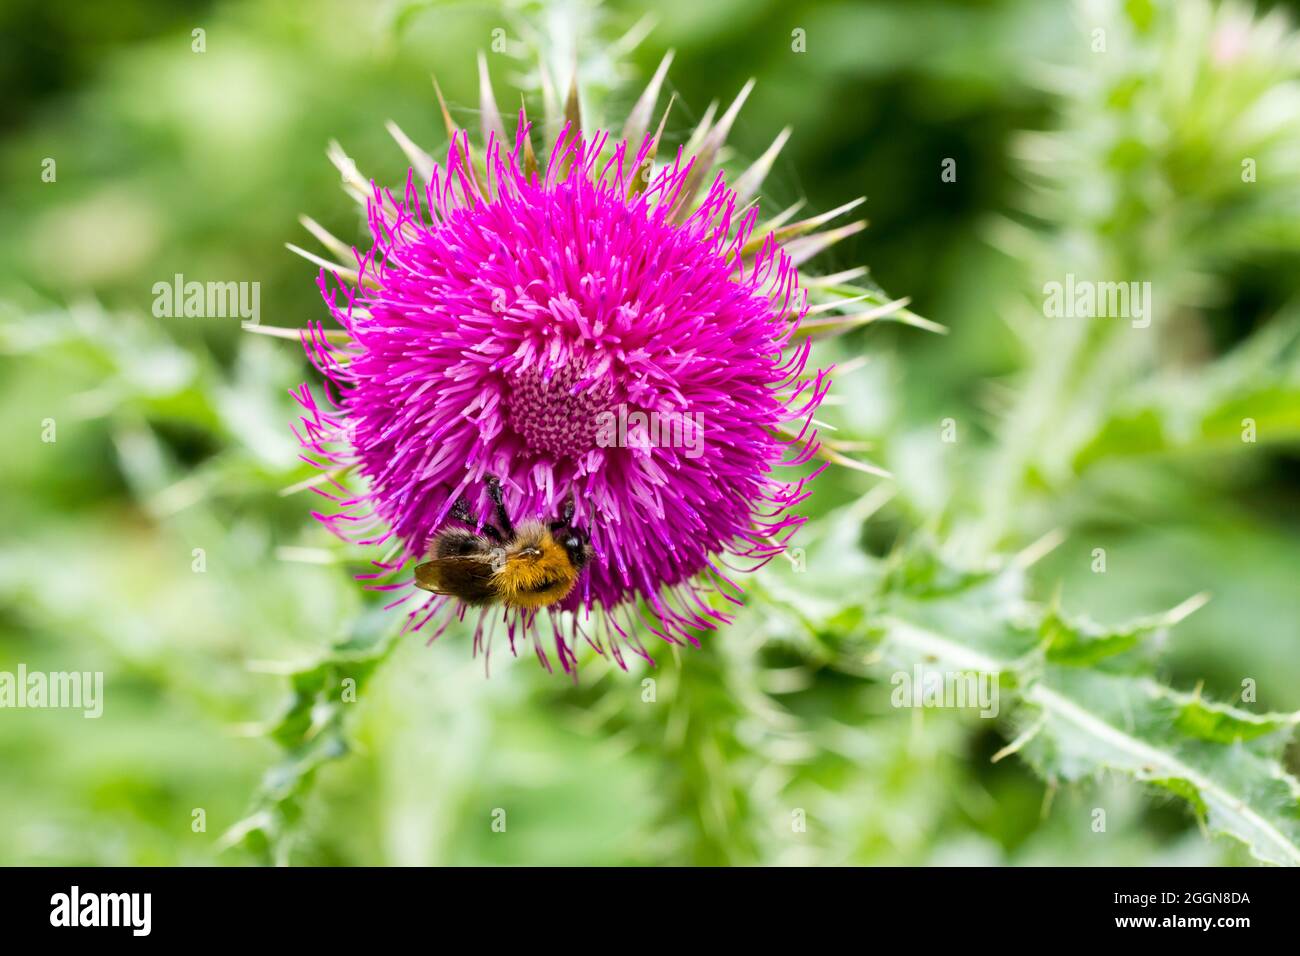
column 172, row 433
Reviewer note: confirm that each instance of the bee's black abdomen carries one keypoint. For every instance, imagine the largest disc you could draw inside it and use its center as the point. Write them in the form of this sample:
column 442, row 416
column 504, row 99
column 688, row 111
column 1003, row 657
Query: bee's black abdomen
column 456, row 543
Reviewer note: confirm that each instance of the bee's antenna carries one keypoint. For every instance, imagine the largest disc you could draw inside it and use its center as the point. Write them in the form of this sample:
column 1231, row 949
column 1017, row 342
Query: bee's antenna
column 494, row 492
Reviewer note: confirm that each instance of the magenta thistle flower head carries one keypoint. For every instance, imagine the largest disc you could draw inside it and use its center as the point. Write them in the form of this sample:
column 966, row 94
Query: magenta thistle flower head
column 589, row 332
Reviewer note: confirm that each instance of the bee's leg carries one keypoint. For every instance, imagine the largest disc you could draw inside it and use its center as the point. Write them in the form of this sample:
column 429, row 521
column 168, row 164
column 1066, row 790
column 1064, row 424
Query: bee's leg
column 460, row 511
column 566, row 515
column 494, row 492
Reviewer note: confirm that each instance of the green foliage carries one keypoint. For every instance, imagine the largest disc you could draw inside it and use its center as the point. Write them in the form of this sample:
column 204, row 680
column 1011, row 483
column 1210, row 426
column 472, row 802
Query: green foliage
column 1085, row 698
column 1250, row 395
column 312, row 730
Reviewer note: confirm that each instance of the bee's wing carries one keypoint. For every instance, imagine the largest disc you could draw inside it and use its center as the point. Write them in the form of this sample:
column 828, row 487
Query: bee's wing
column 468, row 577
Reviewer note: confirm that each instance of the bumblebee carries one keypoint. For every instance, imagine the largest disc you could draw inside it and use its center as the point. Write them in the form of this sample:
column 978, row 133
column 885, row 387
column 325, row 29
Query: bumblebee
column 528, row 567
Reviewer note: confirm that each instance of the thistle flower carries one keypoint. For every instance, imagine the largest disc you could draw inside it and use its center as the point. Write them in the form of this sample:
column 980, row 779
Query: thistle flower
column 599, row 329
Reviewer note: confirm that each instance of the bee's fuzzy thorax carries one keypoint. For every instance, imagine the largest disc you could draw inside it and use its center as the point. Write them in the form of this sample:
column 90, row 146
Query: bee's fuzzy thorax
column 537, row 570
